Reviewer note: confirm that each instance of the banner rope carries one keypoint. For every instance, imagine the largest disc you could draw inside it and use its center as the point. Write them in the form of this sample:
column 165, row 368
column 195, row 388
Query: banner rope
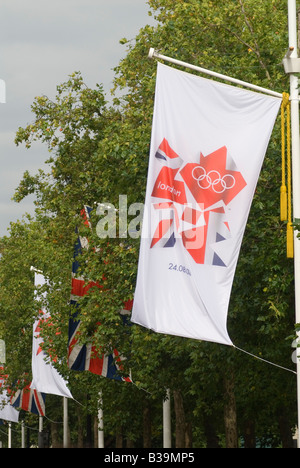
column 286, row 173
column 264, row 360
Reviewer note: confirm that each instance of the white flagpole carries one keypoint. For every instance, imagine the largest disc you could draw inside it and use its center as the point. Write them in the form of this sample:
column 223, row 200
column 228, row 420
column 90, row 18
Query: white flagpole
column 167, row 443
column 154, row 54
column 23, row 434
column 40, row 436
column 100, row 422
column 40, row 423
column 9, row 435
column 291, row 62
column 65, row 404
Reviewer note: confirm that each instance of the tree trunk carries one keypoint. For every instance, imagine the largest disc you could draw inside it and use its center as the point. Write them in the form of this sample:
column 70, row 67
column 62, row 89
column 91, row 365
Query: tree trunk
column 249, row 434
column 285, row 430
column 129, row 443
column 147, row 435
column 180, row 426
column 230, row 419
column 54, row 436
column 80, row 435
column 212, row 440
column 89, row 438
column 96, row 431
column 188, row 435
column 119, row 437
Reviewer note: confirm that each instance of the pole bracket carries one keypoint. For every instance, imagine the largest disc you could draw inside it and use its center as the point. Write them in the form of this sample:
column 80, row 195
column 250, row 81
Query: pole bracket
column 291, row 64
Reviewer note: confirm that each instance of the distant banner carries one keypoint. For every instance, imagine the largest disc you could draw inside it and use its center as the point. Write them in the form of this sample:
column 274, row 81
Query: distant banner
column 7, row 412
column 45, row 378
column 208, row 143
column 2, row 92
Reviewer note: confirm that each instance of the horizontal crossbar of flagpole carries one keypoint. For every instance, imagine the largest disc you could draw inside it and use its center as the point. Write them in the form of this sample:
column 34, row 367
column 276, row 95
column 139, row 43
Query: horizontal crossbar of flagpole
column 35, row 270
column 154, row 54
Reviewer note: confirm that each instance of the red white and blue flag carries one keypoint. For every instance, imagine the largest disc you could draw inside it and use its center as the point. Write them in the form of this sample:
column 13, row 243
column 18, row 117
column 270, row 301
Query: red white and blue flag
column 207, row 148
column 85, row 357
column 29, row 400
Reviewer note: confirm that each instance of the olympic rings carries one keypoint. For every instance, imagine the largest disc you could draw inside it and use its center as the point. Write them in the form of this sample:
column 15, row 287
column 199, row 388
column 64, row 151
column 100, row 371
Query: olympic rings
column 213, row 180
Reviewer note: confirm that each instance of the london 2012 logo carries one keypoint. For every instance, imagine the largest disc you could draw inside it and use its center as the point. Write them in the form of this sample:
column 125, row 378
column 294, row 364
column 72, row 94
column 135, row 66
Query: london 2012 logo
column 189, row 202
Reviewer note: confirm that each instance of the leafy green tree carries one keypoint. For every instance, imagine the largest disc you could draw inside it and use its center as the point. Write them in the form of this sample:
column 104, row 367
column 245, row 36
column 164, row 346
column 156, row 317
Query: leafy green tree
column 231, row 38
column 99, row 153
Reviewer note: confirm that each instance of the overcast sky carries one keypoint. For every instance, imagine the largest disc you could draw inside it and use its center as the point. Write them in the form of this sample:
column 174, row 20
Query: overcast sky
column 41, row 43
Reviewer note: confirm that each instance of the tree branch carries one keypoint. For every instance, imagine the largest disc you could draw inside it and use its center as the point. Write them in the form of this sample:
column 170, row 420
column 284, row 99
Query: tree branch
column 256, row 49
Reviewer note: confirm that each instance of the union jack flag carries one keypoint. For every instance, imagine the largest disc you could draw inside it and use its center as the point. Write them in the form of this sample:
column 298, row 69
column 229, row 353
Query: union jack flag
column 29, row 400
column 83, row 357
column 26, row 399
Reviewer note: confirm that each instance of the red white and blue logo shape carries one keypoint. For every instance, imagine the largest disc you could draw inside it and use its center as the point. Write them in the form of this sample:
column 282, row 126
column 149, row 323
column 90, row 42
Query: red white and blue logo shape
column 190, row 201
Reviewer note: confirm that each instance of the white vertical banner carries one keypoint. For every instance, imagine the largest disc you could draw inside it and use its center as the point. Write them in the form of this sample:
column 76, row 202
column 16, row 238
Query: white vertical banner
column 7, row 411
column 45, row 378
column 2, row 92
column 208, row 143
